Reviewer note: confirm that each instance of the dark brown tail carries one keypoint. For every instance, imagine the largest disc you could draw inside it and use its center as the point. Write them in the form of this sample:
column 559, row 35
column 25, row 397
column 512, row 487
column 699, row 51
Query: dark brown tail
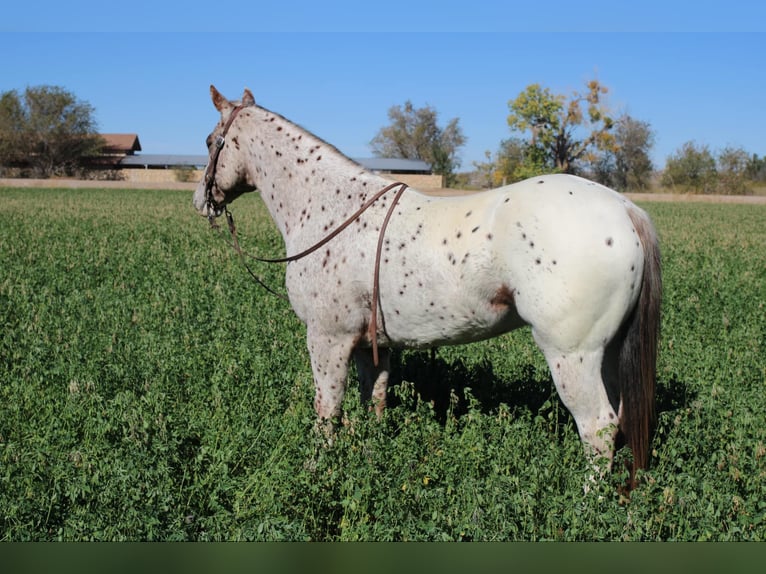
column 638, row 355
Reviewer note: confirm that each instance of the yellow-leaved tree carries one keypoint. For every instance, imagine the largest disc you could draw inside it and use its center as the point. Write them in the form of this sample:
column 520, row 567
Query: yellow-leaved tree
column 560, row 132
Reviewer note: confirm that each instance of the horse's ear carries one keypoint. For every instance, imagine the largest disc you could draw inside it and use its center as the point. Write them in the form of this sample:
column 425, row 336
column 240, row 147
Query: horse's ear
column 219, row 101
column 247, row 98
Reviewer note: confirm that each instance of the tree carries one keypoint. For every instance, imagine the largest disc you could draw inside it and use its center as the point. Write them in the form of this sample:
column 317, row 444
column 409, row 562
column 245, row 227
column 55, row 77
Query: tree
column 504, row 166
column 414, row 134
column 756, row 168
column 633, row 142
column 484, row 171
column 12, row 122
column 626, row 166
column 732, row 164
column 561, row 132
column 692, row 167
column 47, row 128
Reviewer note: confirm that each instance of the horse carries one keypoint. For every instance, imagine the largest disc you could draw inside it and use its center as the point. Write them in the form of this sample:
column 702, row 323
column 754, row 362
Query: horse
column 574, row 260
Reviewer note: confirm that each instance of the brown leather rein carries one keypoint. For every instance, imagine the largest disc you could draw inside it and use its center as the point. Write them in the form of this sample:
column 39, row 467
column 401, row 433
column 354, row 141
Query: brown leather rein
column 215, row 210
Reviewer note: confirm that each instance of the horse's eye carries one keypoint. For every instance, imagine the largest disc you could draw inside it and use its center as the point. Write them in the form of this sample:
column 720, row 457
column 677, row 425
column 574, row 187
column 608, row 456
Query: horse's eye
column 209, row 141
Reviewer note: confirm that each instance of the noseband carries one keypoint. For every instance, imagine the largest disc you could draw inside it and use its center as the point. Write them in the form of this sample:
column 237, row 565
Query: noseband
column 215, row 209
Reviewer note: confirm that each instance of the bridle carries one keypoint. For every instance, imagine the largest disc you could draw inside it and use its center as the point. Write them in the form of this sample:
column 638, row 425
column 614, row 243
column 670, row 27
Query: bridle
column 215, row 209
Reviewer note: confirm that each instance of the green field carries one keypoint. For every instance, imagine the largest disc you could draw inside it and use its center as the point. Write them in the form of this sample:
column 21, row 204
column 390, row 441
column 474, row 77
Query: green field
column 149, row 390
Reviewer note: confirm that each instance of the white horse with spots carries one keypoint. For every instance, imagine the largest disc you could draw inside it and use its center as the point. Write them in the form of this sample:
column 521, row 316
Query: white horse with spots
column 576, row 261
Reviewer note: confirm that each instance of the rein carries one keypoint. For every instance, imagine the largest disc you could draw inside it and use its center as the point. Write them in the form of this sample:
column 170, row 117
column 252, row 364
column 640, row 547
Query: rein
column 215, row 209
column 373, row 326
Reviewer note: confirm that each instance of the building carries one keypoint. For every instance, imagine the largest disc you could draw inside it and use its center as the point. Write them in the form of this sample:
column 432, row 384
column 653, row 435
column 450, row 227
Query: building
column 120, row 145
column 120, row 154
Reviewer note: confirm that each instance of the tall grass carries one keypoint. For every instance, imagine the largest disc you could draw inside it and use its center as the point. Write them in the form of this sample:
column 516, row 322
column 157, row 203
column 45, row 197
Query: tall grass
column 150, row 391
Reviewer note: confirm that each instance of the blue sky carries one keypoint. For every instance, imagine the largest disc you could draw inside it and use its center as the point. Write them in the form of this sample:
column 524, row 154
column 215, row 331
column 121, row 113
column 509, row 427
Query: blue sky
column 337, row 67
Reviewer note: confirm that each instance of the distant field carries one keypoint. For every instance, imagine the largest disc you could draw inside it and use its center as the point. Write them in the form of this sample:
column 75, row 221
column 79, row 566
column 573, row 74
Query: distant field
column 150, row 391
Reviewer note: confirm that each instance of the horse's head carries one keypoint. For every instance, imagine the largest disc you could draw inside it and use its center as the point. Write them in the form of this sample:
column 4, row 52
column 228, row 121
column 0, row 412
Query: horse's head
column 227, row 175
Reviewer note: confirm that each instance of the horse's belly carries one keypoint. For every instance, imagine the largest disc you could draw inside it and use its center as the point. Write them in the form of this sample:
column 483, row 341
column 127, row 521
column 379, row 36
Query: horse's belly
column 441, row 322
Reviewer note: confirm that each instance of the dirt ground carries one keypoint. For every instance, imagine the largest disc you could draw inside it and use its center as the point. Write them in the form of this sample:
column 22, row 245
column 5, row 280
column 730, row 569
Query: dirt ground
column 74, row 183
column 83, row 183
column 678, row 197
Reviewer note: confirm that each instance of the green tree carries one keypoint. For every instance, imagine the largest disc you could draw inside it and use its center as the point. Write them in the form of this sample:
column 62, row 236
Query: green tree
column 626, row 166
column 692, row 167
column 505, row 165
column 756, row 168
column 562, row 132
column 732, row 164
column 48, row 129
column 633, row 142
column 12, row 127
column 415, row 134
column 484, row 171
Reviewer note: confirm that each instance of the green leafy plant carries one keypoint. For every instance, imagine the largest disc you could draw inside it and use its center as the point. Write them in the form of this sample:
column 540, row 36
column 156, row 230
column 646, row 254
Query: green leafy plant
column 150, row 391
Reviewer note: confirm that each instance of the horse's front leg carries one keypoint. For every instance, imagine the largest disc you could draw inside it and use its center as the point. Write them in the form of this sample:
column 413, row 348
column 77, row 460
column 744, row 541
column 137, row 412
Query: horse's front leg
column 373, row 380
column 329, row 354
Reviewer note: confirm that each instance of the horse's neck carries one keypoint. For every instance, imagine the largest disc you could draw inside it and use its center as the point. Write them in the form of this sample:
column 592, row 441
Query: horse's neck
column 308, row 186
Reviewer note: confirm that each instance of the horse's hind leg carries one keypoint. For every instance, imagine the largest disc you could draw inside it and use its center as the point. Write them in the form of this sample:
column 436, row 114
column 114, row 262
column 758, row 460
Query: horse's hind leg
column 578, row 380
column 373, row 380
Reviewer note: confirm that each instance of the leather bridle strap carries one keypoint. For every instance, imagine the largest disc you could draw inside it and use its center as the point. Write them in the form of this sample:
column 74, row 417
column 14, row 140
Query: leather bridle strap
column 214, row 208
column 342, row 226
column 373, row 331
column 373, row 325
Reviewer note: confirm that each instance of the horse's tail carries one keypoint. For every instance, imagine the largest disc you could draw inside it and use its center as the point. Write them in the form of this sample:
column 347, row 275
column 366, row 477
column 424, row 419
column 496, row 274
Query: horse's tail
column 638, row 355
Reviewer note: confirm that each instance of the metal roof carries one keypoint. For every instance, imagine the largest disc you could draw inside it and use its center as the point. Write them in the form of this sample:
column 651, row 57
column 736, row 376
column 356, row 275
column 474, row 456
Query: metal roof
column 393, row 164
column 163, row 160
column 383, row 164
